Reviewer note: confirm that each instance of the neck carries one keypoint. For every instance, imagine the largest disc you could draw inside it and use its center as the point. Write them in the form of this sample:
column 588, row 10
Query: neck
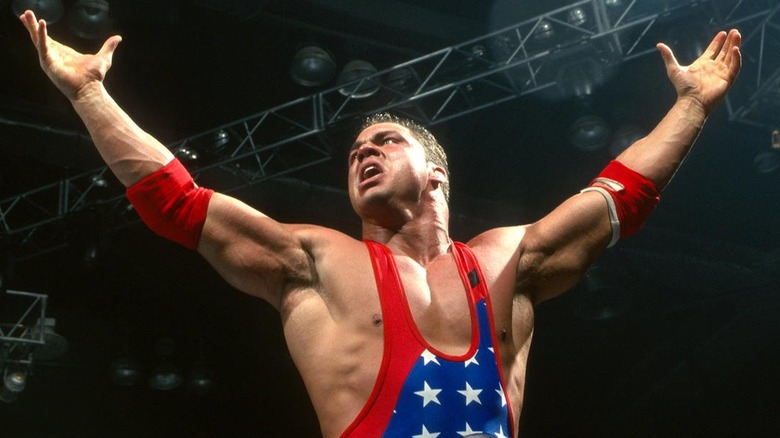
column 422, row 237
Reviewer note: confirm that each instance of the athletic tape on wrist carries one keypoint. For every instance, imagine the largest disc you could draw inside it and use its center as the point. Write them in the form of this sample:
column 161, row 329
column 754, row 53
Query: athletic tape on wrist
column 171, row 204
column 630, row 197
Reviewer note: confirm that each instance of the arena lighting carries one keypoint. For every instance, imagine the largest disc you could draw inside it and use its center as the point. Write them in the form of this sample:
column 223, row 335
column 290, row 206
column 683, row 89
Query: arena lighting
column 544, row 31
column 201, row 379
column 90, row 19
column 354, row 80
column 14, row 383
column 166, row 375
column 589, row 133
column 125, row 371
column 766, row 162
column 577, row 16
column 49, row 10
column 20, row 340
column 312, row 66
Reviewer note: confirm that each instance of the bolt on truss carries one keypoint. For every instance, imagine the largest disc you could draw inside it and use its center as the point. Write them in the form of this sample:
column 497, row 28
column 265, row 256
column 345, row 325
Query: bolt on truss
column 503, row 65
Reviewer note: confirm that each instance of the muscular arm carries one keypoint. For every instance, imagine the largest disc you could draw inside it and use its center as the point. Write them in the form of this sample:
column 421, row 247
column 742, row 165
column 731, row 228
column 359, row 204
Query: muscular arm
column 557, row 250
column 255, row 253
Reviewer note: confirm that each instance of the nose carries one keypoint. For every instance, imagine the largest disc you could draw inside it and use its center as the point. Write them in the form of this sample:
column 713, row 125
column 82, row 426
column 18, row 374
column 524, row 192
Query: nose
column 366, row 150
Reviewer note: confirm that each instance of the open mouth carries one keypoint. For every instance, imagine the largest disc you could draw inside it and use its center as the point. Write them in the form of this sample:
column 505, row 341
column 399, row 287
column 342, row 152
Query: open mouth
column 369, row 172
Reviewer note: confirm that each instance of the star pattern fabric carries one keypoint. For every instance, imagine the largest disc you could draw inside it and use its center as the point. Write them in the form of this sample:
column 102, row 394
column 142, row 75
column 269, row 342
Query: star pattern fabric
column 443, row 398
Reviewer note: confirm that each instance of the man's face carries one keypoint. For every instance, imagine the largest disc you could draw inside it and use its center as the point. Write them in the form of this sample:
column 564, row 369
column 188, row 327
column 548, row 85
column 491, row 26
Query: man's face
column 387, row 165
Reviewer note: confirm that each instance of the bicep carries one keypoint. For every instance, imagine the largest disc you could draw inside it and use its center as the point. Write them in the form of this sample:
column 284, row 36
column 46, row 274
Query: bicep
column 253, row 252
column 558, row 249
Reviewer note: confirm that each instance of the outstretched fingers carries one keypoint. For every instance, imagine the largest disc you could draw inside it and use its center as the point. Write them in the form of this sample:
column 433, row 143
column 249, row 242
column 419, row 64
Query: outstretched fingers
column 714, row 51
column 732, row 56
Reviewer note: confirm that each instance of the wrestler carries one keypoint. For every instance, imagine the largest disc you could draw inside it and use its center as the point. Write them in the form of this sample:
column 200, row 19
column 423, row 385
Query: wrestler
column 405, row 332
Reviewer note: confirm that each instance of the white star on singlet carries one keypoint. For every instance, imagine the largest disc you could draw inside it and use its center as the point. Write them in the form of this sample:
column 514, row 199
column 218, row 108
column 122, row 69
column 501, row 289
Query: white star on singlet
column 468, row 431
column 429, row 357
column 426, row 434
column 471, row 394
column 428, row 394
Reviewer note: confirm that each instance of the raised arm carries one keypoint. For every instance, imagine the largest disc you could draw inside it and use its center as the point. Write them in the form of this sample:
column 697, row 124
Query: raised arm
column 128, row 150
column 557, row 250
column 253, row 252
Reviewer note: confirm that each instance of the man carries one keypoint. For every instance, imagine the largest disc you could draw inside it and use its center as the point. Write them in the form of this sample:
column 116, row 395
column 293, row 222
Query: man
column 405, row 333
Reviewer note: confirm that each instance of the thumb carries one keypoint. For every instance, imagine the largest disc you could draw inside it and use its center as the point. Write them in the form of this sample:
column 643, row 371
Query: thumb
column 667, row 55
column 109, row 47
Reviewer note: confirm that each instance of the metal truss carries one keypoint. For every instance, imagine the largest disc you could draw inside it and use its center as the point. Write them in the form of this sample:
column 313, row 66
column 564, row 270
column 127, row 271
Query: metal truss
column 519, row 60
column 755, row 97
column 19, row 338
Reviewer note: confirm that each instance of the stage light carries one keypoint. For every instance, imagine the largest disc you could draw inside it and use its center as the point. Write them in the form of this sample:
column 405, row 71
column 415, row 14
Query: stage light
column 589, row 133
column 544, row 31
column 14, row 383
column 766, row 162
column 201, row 380
column 49, row 10
column 90, row 19
column 166, row 375
column 125, row 371
column 353, row 80
column 312, row 66
column 577, row 17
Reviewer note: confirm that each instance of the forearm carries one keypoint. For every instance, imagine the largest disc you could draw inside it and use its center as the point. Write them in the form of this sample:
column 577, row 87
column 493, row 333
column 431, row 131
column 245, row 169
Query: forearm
column 658, row 155
column 129, row 151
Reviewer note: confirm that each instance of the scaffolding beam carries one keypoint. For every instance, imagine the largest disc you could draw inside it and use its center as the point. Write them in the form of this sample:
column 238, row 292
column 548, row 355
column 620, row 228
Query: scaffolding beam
column 503, row 65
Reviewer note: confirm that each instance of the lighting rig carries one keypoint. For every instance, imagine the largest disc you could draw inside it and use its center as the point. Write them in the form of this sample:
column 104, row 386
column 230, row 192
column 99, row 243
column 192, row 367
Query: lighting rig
column 20, row 339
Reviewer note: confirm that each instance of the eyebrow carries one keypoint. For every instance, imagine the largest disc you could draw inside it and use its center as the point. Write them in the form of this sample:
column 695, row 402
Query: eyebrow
column 374, row 137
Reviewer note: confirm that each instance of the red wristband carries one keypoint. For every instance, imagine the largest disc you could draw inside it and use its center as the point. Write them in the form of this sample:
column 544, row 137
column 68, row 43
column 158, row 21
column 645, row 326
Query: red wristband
column 171, row 204
column 634, row 195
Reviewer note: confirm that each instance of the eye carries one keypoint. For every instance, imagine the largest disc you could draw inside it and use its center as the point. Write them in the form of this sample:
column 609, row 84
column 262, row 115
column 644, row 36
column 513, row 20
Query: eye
column 352, row 156
column 389, row 140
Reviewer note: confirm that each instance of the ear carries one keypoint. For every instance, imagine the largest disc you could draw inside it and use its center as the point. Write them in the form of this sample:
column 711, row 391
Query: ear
column 437, row 174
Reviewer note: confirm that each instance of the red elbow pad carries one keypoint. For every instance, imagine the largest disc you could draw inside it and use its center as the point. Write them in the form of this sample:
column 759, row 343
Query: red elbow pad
column 171, row 204
column 634, row 196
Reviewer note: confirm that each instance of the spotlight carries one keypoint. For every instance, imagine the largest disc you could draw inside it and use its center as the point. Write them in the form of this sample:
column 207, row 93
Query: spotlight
column 577, row 17
column 580, row 77
column 49, row 10
column 165, row 376
column 201, row 381
column 90, row 19
column 589, row 133
column 14, row 383
column 353, row 80
column 312, row 66
column 766, row 162
column 544, row 31
column 125, row 371
column 186, row 153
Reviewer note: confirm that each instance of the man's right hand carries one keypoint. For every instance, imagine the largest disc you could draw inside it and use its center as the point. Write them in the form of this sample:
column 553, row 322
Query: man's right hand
column 72, row 72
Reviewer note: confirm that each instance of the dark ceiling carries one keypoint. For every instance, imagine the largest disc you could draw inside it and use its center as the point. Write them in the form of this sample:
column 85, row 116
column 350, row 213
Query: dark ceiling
column 687, row 343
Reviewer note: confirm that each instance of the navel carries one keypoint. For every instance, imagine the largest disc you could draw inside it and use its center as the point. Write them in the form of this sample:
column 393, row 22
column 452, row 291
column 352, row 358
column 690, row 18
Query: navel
column 376, row 320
